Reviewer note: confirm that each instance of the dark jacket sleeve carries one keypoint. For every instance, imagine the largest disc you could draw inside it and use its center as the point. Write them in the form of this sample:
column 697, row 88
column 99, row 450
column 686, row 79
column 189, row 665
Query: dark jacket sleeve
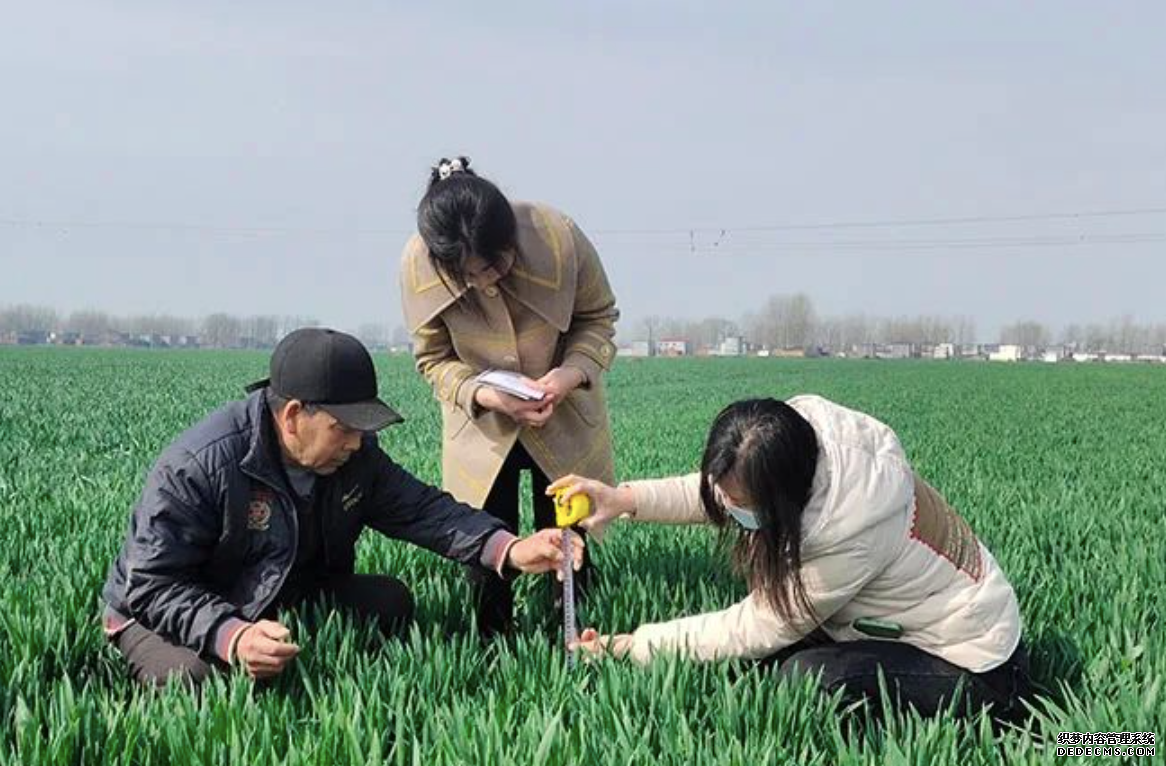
column 174, row 530
column 407, row 508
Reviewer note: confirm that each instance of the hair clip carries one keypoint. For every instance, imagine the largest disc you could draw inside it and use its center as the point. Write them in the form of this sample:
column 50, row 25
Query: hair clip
column 447, row 168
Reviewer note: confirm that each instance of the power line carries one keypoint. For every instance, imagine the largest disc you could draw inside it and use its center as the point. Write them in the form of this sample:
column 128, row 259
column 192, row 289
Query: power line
column 888, row 223
column 933, row 244
column 194, row 228
column 721, row 231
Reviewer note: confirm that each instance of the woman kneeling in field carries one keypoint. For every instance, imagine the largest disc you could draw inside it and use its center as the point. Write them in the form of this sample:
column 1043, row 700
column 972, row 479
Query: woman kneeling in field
column 856, row 565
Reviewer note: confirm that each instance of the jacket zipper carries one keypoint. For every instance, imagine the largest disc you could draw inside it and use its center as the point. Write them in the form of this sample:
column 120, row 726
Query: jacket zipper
column 295, row 525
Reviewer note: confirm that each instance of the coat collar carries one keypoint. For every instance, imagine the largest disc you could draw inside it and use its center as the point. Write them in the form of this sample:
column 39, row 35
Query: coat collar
column 543, row 278
column 263, row 460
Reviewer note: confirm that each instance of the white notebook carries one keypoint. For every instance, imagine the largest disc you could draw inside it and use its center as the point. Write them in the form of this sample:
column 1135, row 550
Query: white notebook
column 510, row 383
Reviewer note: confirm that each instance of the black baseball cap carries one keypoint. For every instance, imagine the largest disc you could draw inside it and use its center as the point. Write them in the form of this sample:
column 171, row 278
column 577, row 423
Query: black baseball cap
column 333, row 371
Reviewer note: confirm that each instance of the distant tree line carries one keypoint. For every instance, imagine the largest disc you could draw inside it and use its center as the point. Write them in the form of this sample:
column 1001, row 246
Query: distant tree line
column 792, row 322
column 219, row 330
column 781, row 322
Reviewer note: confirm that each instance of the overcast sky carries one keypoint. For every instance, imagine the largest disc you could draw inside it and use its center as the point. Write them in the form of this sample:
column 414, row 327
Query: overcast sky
column 267, row 157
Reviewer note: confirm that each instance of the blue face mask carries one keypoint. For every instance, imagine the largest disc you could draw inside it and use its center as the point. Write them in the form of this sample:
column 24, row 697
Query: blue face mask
column 743, row 516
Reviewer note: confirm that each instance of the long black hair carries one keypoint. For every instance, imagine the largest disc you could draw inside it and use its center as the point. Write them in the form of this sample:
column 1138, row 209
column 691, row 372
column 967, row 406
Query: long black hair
column 462, row 215
column 772, row 452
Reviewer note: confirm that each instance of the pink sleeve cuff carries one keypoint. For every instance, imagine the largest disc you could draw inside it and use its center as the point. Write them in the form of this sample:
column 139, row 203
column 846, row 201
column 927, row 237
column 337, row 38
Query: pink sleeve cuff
column 496, row 549
column 227, row 636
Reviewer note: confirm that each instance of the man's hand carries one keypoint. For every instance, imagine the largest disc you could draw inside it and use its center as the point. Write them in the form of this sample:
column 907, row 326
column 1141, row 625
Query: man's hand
column 534, row 414
column 607, row 503
column 561, row 381
column 592, row 644
column 264, row 649
column 543, row 552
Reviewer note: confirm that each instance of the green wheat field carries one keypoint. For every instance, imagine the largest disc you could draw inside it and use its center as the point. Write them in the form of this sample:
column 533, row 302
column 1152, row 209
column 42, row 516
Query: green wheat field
column 1061, row 470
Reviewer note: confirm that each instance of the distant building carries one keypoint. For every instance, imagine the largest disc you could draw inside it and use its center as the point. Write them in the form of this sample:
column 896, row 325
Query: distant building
column 733, row 345
column 147, row 340
column 897, row 351
column 1054, row 355
column 110, row 338
column 944, row 351
column 864, row 351
column 1006, row 353
column 672, row 348
column 637, row 349
column 1119, row 358
column 65, row 338
column 1084, row 356
column 31, row 338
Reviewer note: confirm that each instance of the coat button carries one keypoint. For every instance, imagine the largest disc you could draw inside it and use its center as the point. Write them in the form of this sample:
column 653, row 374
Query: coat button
column 491, row 291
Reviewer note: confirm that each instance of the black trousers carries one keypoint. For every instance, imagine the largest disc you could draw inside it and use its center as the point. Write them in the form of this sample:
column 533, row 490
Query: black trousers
column 493, row 597
column 912, row 677
column 154, row 660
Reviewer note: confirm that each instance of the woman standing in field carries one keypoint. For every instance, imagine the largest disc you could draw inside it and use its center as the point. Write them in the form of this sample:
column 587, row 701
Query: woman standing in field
column 855, row 564
column 489, row 284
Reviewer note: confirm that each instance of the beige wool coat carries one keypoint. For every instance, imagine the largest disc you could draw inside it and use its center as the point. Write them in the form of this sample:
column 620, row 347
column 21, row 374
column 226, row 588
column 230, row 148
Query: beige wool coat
column 553, row 308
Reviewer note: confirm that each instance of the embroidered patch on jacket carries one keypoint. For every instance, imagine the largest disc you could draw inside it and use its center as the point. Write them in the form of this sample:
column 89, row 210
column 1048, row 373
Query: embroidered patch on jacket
column 350, row 498
column 259, row 511
column 940, row 528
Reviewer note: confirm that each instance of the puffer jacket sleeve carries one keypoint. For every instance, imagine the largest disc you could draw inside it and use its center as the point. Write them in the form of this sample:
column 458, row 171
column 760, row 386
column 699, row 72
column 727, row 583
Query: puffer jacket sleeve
column 751, row 629
column 407, row 508
column 172, row 535
column 675, row 500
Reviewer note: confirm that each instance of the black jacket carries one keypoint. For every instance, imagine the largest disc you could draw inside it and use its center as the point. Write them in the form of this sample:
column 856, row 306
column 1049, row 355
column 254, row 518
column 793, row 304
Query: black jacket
column 213, row 537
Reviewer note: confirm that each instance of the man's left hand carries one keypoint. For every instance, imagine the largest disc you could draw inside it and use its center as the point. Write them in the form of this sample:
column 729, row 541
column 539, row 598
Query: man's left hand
column 543, row 552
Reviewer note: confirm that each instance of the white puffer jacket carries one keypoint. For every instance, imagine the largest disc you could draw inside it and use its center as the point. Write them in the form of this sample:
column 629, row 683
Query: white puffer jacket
column 877, row 542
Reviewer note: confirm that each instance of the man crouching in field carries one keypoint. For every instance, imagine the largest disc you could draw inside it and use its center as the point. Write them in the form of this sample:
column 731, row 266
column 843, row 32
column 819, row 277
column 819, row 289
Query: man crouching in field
column 259, row 507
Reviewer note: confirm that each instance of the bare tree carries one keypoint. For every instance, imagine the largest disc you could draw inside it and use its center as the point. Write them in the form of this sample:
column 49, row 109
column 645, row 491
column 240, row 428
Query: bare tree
column 89, row 323
column 1158, row 339
column 1072, row 335
column 374, row 335
column 785, row 322
column 222, row 331
column 262, row 330
column 964, row 330
column 1029, row 333
column 1127, row 336
column 154, row 324
column 401, row 336
column 855, row 330
column 709, row 332
column 295, row 322
column 28, row 318
column 830, row 334
column 648, row 328
column 897, row 330
column 1097, row 337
